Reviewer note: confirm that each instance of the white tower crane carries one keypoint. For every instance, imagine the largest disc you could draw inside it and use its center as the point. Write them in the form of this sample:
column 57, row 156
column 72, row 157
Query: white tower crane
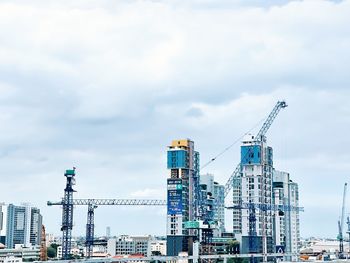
column 341, row 224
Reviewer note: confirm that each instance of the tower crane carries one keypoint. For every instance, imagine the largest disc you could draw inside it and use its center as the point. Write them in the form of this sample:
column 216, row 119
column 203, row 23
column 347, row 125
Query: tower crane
column 67, row 213
column 341, row 224
column 92, row 204
column 258, row 138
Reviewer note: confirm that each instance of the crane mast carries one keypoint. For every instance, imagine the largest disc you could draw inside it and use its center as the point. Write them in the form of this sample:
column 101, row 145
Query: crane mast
column 67, row 214
column 341, row 224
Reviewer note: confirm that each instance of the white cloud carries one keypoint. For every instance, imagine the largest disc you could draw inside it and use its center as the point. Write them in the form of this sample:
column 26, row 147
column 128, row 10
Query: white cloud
column 105, row 86
column 149, row 193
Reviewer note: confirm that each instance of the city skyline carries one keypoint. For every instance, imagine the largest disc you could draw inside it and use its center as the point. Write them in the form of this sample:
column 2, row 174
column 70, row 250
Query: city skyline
column 105, row 87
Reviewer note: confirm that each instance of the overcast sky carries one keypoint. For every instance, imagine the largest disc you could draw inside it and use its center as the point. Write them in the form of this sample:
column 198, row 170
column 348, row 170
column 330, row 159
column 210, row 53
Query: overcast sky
column 106, row 85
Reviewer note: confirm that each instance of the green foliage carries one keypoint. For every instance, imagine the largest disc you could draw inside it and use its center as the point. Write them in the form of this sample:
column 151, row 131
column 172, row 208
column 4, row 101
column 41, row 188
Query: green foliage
column 237, row 260
column 233, row 248
column 51, row 252
column 54, row 245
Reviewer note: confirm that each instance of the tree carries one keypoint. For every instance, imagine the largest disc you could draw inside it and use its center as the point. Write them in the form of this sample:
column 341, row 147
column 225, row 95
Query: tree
column 156, row 253
column 51, row 252
column 233, row 247
column 237, row 260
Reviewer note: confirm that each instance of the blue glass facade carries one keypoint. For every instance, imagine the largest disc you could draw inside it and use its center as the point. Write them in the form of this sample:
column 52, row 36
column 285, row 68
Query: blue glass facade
column 251, row 154
column 23, row 226
column 177, row 159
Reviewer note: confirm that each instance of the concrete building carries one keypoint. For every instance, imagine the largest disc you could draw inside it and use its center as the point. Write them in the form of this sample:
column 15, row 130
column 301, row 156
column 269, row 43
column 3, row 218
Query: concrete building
column 254, row 185
column 75, row 251
column 183, row 196
column 25, row 253
column 50, row 238
column 217, row 192
column 158, row 247
column 2, row 235
column 219, row 208
column 129, row 245
column 286, row 224
column 24, row 224
column 318, row 246
column 36, row 222
column 10, row 259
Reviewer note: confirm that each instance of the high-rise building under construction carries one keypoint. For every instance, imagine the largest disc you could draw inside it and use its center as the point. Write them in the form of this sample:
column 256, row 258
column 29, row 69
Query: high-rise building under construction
column 183, row 199
column 254, row 229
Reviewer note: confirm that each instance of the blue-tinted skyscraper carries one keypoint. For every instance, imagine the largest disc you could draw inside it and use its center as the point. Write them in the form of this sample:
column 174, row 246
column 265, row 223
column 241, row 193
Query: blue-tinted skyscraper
column 23, row 226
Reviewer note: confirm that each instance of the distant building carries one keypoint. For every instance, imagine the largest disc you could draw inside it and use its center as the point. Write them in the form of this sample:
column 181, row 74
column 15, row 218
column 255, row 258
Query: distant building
column 287, row 232
column 219, row 208
column 75, row 251
column 24, row 224
column 50, row 239
column 129, row 245
column 10, row 259
column 1, row 218
column 158, row 247
column 100, row 247
column 36, row 221
column 217, row 193
column 2, row 236
column 108, row 232
column 26, row 254
column 183, row 199
column 317, row 246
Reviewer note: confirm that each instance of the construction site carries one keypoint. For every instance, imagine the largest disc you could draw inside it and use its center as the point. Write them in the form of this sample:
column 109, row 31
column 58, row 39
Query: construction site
column 264, row 203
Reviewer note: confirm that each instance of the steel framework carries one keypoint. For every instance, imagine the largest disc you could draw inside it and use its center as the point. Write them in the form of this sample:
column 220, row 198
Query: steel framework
column 67, row 214
column 266, row 207
column 341, row 224
column 98, row 202
column 90, row 229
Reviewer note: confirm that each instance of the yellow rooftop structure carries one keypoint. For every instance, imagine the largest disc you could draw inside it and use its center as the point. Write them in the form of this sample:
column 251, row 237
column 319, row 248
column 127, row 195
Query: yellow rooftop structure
column 179, row 143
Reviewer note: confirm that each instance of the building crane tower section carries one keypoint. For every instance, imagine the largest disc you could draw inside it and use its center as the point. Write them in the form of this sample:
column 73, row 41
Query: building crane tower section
column 341, row 224
column 67, row 214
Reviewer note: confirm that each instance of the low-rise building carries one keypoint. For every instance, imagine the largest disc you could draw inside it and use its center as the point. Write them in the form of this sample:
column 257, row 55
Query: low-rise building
column 10, row 259
column 26, row 254
column 129, row 245
column 158, row 247
column 75, row 251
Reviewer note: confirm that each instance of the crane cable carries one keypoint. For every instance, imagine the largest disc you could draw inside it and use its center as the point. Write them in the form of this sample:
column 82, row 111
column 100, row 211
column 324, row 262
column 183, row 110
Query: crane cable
column 231, row 145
